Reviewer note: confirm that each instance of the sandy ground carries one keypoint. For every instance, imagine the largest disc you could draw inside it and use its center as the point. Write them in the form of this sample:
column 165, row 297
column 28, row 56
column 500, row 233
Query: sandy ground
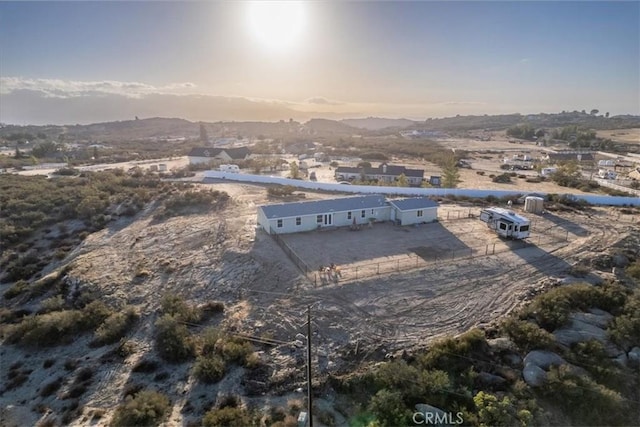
column 621, row 135
column 172, row 163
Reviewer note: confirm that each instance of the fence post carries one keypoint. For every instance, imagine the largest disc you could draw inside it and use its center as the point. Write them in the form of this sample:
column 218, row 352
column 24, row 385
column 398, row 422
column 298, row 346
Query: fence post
column 416, row 260
column 356, row 273
column 448, row 214
column 398, row 265
column 494, row 249
column 486, row 249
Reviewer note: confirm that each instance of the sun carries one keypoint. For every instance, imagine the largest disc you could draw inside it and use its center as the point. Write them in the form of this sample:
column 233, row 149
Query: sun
column 277, row 25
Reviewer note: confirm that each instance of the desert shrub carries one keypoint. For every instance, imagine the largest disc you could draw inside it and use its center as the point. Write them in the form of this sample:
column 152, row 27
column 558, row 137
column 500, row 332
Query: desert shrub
column 177, row 307
column 209, row 369
column 625, row 328
column 527, row 335
column 579, row 270
column 480, row 172
column 450, row 354
column 146, row 366
column 48, row 363
column 499, row 412
column 49, row 388
column 593, row 356
column 281, row 190
column 147, row 408
column 229, row 417
column 46, row 330
column 16, row 289
column 55, row 303
column 172, row 340
column 389, row 409
column 504, row 178
column 115, row 326
column 585, row 401
column 551, row 310
column 234, row 349
column 192, row 202
column 632, row 270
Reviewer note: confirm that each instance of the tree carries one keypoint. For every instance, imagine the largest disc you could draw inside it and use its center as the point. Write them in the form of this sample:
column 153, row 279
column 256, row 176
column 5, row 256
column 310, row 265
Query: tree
column 204, row 137
column 402, row 181
column 594, row 111
column 294, row 170
column 45, row 149
column 364, row 164
column 606, row 114
column 450, row 173
column 95, row 153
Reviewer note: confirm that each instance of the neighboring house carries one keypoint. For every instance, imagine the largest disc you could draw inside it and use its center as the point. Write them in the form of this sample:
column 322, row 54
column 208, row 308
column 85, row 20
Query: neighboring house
column 384, row 174
column 200, row 155
column 567, row 156
column 347, row 211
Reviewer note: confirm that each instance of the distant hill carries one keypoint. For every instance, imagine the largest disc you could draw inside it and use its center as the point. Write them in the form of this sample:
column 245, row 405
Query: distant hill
column 378, row 123
column 327, row 126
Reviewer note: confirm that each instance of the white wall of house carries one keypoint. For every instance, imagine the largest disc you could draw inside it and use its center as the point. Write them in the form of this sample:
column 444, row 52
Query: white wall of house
column 417, row 216
column 321, row 220
column 222, row 156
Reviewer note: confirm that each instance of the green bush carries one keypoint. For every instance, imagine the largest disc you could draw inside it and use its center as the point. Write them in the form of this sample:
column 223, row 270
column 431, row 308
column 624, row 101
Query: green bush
column 551, row 310
column 632, row 270
column 228, row 417
column 625, row 328
column 585, row 401
column 147, row 408
column 172, row 340
column 177, row 307
column 451, row 354
column 18, row 288
column 209, row 369
column 235, row 350
column 527, row 335
column 492, row 411
column 115, row 326
column 389, row 409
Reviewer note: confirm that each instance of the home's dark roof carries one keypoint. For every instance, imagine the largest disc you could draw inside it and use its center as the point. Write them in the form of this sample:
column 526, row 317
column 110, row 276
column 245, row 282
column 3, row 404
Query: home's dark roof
column 414, row 203
column 391, row 170
column 584, row 157
column 234, row 153
column 318, row 207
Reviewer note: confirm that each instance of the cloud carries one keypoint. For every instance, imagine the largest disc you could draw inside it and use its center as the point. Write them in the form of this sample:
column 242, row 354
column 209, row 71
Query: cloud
column 322, row 101
column 73, row 88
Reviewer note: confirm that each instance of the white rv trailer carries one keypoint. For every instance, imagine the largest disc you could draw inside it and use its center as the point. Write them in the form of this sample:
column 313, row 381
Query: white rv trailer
column 506, row 223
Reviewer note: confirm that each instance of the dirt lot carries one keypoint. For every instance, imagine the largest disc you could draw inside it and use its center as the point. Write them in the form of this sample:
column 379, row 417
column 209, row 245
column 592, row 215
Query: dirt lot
column 621, row 135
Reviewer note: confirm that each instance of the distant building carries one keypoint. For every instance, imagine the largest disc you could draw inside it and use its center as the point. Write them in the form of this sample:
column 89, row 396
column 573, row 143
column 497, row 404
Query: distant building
column 384, row 174
column 342, row 212
column 567, row 156
column 199, row 155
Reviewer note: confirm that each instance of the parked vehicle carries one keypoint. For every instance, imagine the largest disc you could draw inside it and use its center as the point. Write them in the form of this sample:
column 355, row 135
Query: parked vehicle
column 230, row 168
column 506, row 223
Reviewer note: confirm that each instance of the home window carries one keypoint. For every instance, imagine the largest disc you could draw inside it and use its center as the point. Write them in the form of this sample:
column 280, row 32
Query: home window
column 503, row 226
column 319, row 219
column 348, row 215
column 298, row 220
column 279, row 224
column 362, row 214
column 524, row 228
column 419, row 213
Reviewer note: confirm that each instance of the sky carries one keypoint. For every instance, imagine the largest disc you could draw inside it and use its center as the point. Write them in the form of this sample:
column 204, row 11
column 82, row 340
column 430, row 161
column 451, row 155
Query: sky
column 77, row 62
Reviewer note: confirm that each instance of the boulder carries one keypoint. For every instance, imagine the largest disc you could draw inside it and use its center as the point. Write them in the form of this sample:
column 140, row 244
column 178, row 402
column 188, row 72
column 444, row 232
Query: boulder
column 543, row 359
column 634, row 354
column 580, row 331
column 622, row 359
column 534, row 375
column 595, row 317
column 620, row 260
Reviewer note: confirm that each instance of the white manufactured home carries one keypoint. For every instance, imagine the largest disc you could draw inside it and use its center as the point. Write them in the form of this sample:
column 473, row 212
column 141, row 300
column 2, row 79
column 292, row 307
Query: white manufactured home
column 346, row 211
column 506, row 223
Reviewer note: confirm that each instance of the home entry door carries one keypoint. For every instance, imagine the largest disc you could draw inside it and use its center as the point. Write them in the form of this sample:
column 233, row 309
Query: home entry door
column 328, row 219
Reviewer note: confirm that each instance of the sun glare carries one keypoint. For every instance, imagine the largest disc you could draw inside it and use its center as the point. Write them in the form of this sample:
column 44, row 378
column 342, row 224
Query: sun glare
column 278, row 25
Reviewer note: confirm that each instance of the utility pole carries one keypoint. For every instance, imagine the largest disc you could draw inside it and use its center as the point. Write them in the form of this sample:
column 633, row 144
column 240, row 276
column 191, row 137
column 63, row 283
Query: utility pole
column 309, row 393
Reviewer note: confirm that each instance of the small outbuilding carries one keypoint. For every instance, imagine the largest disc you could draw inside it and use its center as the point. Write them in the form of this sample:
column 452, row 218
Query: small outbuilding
column 413, row 211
